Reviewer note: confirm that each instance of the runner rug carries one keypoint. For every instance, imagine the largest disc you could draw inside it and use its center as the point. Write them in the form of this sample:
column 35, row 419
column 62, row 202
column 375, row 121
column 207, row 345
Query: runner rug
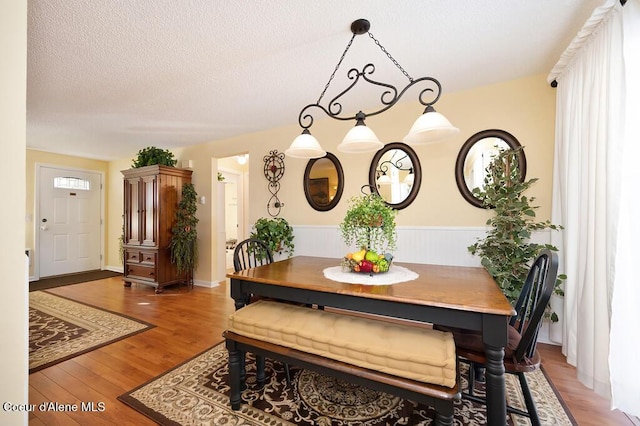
column 195, row 393
column 60, row 329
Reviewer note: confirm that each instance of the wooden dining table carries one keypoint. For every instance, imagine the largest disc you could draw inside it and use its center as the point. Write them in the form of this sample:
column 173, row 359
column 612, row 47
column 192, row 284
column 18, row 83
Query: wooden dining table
column 455, row 296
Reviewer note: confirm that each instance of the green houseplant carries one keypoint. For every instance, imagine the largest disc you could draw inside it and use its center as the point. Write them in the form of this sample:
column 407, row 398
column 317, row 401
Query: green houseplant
column 151, row 156
column 370, row 224
column 276, row 232
column 184, row 237
column 507, row 250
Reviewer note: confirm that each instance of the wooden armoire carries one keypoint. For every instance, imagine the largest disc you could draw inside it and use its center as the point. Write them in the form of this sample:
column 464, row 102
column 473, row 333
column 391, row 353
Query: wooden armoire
column 151, row 197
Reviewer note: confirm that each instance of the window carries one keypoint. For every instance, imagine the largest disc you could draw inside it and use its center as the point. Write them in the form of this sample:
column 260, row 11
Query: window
column 62, row 182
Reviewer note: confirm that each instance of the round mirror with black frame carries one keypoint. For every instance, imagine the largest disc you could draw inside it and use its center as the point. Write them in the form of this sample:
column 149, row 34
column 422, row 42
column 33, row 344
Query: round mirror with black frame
column 395, row 174
column 476, row 154
column 323, row 182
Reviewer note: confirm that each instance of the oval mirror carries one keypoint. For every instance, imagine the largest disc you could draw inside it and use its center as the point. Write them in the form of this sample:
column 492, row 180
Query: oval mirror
column 323, row 182
column 396, row 175
column 476, row 154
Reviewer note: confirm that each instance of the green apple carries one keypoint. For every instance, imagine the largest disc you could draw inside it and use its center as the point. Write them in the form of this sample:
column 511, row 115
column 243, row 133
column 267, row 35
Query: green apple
column 371, row 256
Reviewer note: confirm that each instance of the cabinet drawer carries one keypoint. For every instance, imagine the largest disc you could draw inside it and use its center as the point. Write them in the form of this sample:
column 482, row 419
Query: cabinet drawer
column 143, row 272
column 147, row 258
column 143, row 257
column 132, row 256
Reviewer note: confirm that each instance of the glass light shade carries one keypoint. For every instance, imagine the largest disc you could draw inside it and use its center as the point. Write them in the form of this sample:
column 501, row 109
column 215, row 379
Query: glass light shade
column 360, row 139
column 305, row 146
column 430, row 127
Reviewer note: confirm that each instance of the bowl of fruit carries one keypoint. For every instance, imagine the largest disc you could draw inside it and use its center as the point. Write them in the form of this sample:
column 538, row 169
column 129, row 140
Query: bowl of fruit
column 367, row 261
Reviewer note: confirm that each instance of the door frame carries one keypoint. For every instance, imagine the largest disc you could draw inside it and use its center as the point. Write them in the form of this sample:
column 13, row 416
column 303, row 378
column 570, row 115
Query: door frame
column 36, row 249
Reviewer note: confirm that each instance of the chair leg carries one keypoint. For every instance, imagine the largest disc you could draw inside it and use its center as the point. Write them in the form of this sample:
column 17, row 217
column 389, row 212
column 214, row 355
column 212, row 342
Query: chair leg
column 287, row 374
column 260, row 374
column 444, row 413
column 478, row 372
column 528, row 399
column 472, row 377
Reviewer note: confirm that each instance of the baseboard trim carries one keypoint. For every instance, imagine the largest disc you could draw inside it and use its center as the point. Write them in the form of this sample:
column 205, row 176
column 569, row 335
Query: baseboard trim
column 118, row 269
column 207, row 284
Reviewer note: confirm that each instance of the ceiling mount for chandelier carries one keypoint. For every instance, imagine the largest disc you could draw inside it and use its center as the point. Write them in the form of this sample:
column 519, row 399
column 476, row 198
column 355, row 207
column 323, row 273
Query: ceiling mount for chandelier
column 430, row 127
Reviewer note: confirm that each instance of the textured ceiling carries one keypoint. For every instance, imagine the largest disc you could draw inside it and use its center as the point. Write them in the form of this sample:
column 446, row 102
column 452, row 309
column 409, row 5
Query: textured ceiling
column 107, row 78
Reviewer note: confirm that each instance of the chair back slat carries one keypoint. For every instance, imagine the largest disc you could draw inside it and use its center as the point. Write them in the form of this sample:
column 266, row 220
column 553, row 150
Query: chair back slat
column 250, row 253
column 533, row 302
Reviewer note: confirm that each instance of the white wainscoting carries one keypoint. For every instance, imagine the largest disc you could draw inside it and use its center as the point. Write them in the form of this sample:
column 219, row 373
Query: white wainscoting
column 417, row 244
column 424, row 244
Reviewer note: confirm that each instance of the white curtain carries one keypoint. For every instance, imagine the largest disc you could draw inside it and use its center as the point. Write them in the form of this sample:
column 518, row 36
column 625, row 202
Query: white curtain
column 625, row 310
column 591, row 199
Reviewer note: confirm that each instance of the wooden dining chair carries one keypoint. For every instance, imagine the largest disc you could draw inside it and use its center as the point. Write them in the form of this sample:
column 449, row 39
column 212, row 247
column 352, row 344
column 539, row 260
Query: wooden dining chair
column 251, row 253
column 520, row 355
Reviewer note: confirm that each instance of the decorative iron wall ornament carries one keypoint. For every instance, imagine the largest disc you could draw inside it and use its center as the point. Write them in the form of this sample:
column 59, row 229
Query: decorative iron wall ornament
column 431, row 126
column 273, row 171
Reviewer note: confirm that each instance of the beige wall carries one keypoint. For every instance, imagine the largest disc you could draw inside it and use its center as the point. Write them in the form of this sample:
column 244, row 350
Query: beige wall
column 13, row 303
column 33, row 158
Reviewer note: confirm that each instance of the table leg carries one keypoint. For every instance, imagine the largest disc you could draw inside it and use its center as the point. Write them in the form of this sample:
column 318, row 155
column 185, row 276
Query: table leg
column 495, row 386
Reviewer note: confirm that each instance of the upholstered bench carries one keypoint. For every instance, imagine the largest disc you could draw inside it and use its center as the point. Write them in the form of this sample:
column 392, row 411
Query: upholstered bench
column 408, row 361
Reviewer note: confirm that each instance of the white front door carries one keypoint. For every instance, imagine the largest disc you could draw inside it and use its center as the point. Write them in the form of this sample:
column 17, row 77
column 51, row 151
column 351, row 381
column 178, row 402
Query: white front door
column 68, row 221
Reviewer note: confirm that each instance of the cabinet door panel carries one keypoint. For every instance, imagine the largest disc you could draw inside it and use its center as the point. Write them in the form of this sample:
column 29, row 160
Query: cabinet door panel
column 132, row 211
column 149, row 224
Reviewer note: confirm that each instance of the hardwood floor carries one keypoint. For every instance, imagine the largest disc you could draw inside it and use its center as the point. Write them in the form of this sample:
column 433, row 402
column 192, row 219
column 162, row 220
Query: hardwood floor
column 188, row 322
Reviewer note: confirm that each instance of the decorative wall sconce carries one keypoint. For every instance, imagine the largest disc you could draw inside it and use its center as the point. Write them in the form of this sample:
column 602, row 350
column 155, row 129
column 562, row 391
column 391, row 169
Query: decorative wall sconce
column 273, row 171
column 431, row 126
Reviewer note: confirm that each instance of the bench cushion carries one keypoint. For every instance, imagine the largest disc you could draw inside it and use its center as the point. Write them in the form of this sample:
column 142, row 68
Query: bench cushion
column 401, row 350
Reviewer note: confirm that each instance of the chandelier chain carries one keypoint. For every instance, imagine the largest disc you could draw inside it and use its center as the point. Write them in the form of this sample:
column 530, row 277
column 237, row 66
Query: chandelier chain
column 336, row 68
column 390, row 57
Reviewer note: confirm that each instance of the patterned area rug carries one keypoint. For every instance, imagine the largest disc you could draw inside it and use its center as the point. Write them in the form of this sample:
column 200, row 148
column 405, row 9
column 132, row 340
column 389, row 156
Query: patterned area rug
column 60, row 329
column 195, row 393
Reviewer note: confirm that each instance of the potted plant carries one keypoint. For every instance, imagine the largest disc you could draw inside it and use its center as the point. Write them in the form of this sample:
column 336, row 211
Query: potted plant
column 276, row 232
column 184, row 237
column 369, row 224
column 507, row 250
column 151, row 156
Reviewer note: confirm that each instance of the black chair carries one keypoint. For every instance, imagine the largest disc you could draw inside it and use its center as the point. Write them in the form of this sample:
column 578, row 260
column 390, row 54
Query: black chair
column 251, row 253
column 521, row 355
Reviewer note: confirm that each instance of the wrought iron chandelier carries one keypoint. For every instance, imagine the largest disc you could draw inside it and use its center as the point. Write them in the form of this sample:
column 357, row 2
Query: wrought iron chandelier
column 430, row 127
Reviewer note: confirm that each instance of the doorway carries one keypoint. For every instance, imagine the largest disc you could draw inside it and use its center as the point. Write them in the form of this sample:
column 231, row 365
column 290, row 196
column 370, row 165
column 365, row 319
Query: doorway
column 234, row 202
column 69, row 225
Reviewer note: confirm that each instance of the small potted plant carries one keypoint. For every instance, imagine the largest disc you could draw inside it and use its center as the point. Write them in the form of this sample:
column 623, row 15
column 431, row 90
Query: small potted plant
column 276, row 232
column 151, row 156
column 369, row 224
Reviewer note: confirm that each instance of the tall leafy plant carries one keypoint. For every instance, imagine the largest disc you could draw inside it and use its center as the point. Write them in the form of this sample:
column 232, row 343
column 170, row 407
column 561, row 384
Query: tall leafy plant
column 507, row 249
column 184, row 237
